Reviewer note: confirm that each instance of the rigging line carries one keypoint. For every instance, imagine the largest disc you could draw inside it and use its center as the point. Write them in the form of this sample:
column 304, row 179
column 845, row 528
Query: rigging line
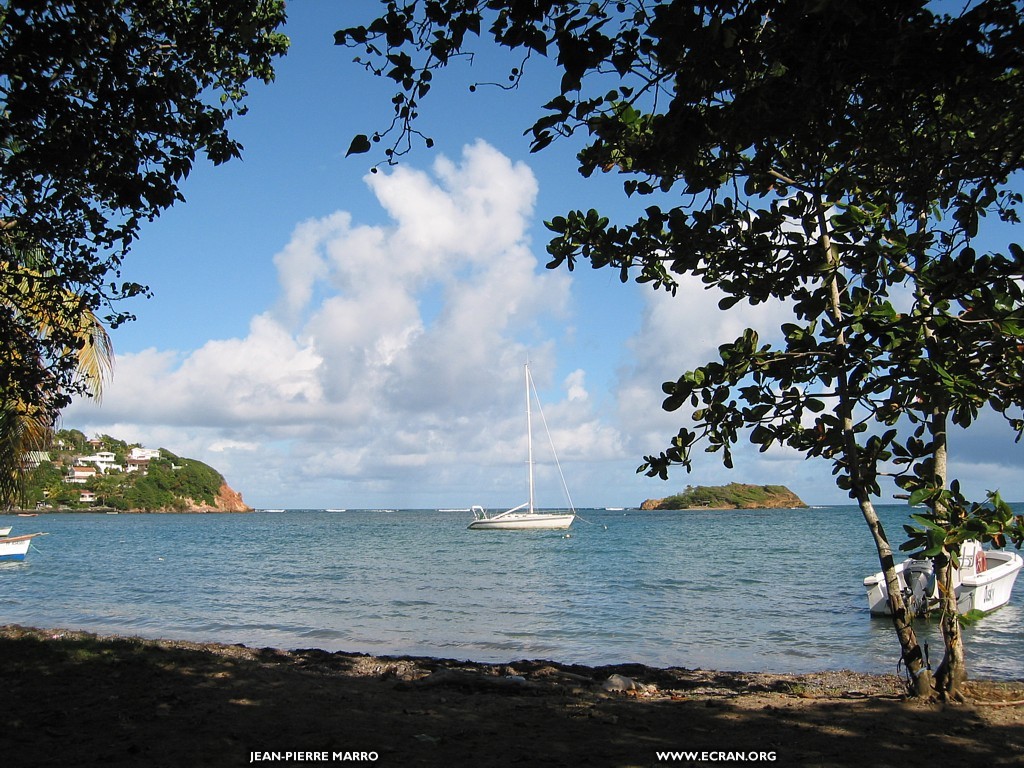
column 551, row 442
column 581, row 518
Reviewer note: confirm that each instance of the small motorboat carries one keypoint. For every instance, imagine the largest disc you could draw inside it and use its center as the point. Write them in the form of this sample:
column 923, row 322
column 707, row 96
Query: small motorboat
column 983, row 582
column 5, row 531
column 16, row 547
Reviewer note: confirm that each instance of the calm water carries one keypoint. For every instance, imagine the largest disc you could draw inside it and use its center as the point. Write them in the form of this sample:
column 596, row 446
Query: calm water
column 755, row 591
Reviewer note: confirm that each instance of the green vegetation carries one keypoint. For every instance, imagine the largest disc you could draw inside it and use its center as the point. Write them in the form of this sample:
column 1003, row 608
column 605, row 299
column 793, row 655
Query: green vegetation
column 970, row 618
column 104, row 110
column 171, row 483
column 733, row 495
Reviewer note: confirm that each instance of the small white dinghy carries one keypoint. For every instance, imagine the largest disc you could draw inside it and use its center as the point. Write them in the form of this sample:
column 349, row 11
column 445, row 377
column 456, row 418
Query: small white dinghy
column 16, row 547
column 983, row 582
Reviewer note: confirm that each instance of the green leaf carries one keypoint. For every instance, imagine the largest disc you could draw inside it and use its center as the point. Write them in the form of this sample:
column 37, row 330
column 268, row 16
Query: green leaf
column 928, row 523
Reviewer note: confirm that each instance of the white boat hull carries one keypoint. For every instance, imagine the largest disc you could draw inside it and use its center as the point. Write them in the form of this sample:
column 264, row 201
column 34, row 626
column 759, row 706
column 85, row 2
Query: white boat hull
column 982, row 584
column 524, row 521
column 5, row 531
column 16, row 548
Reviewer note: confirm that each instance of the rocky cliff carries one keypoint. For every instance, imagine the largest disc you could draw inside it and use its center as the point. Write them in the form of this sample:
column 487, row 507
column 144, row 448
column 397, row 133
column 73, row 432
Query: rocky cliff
column 227, row 500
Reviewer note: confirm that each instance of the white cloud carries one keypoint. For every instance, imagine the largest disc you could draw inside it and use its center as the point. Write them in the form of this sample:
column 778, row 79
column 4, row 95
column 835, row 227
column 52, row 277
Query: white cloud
column 267, row 377
column 389, row 364
column 677, row 334
column 220, row 446
column 574, row 384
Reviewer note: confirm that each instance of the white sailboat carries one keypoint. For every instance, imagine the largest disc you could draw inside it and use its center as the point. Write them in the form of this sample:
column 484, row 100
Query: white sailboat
column 524, row 517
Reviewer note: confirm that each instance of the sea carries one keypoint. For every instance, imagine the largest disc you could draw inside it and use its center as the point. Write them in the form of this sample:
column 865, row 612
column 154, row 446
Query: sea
column 759, row 590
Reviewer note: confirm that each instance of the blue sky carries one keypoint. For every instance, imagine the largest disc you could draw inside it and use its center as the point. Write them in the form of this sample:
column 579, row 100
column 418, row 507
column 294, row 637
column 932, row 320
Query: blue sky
column 330, row 338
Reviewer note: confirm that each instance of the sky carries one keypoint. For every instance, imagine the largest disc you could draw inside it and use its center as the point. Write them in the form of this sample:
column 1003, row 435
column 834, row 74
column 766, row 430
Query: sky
column 327, row 337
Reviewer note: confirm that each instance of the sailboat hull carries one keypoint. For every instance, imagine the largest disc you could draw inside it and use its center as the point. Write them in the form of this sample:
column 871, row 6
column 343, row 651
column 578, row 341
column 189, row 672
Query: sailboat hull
column 524, row 521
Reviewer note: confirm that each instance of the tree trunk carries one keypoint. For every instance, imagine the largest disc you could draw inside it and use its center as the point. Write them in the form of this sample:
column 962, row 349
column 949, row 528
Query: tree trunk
column 902, row 619
column 953, row 669
column 952, row 672
column 913, row 657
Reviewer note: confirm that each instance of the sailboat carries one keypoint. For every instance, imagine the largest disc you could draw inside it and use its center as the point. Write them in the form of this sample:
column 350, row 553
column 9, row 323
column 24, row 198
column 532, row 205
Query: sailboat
column 525, row 517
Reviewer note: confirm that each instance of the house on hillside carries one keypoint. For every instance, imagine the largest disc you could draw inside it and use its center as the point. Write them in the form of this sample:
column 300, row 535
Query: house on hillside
column 136, row 465
column 32, row 459
column 79, row 474
column 104, row 461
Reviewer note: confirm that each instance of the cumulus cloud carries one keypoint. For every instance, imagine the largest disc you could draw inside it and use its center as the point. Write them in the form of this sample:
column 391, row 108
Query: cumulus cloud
column 677, row 334
column 390, row 360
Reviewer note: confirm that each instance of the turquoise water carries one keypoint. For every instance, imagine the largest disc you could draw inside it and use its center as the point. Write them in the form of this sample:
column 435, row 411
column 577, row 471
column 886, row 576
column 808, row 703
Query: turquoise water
column 773, row 590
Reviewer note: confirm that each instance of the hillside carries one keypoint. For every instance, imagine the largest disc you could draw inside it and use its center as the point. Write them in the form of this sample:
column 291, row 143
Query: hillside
column 105, row 472
column 731, row 496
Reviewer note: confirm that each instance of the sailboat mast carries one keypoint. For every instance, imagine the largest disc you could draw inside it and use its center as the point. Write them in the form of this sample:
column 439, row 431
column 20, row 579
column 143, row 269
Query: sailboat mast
column 529, row 435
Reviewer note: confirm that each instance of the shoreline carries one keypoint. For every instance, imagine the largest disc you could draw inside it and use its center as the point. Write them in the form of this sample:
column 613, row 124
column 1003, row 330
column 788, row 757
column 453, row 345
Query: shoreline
column 114, row 700
column 26, row 513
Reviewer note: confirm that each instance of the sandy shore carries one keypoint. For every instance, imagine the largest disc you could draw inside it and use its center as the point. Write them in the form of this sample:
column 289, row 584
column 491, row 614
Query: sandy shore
column 72, row 699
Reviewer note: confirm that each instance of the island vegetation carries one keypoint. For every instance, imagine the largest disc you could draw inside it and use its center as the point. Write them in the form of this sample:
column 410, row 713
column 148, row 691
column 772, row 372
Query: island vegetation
column 731, row 496
column 164, row 482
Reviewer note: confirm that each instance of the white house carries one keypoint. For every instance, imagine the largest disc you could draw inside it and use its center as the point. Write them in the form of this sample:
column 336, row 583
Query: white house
column 144, row 454
column 79, row 474
column 104, row 460
column 33, row 459
column 136, row 465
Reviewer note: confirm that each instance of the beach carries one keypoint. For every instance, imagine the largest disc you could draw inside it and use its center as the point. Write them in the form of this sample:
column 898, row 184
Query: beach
column 78, row 699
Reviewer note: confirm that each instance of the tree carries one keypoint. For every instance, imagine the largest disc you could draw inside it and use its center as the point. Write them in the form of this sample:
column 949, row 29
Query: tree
column 27, row 422
column 839, row 156
column 103, row 110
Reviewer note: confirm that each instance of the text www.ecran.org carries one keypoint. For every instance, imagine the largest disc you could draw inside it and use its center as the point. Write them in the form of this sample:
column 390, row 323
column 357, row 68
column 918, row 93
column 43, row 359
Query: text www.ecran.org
column 716, row 756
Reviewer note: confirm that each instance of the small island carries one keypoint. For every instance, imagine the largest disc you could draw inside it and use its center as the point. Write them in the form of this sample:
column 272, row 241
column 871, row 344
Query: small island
column 731, row 496
column 104, row 473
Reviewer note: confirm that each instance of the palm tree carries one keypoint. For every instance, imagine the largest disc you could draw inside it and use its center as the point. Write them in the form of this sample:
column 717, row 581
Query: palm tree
column 53, row 333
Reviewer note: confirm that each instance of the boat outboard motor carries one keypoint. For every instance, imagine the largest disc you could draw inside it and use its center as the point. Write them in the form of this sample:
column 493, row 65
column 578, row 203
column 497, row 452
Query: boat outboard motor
column 920, row 588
